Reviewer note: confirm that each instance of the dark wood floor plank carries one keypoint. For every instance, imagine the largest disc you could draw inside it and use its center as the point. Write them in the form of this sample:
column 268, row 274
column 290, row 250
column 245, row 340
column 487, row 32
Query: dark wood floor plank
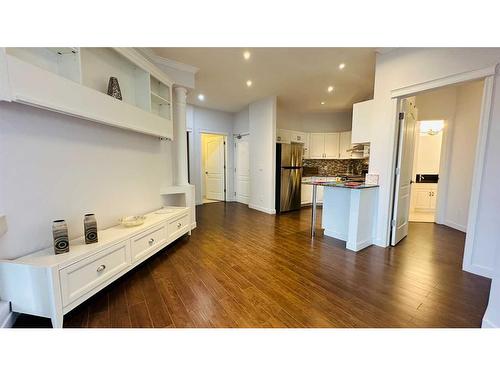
column 139, row 316
column 119, row 315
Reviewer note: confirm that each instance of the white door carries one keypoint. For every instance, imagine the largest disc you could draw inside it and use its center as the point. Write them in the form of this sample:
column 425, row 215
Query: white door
column 332, row 145
column 317, row 146
column 404, row 170
column 242, row 171
column 214, row 168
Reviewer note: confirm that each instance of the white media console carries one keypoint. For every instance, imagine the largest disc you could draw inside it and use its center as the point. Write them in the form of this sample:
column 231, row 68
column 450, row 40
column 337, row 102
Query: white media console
column 49, row 285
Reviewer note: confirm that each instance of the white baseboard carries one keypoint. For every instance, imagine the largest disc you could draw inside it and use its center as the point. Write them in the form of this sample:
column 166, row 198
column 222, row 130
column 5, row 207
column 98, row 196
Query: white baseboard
column 262, row 209
column 478, row 270
column 488, row 324
column 7, row 317
column 335, row 234
column 451, row 224
column 359, row 245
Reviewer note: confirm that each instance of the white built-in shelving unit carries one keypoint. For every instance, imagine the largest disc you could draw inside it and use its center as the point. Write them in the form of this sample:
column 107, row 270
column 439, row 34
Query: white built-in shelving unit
column 74, row 81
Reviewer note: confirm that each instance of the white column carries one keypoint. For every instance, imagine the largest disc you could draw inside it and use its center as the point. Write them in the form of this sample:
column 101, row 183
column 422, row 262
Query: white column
column 180, row 139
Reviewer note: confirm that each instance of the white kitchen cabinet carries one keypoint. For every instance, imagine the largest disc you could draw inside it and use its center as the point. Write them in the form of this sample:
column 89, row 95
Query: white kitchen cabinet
column 298, row 137
column 332, row 145
column 319, row 192
column 305, row 194
column 317, row 145
column 306, row 154
column 283, row 136
column 345, row 144
column 324, row 145
column 424, row 197
column 362, row 122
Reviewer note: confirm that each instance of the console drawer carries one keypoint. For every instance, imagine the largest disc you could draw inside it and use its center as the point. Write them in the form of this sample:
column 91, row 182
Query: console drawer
column 148, row 241
column 87, row 274
column 178, row 227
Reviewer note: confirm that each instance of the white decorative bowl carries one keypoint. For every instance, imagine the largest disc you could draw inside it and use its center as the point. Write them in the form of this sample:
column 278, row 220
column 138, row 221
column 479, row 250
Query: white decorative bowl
column 132, row 221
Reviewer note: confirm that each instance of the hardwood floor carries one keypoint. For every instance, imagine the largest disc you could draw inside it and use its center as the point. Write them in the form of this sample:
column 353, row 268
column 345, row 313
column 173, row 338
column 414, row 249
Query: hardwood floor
column 243, row 268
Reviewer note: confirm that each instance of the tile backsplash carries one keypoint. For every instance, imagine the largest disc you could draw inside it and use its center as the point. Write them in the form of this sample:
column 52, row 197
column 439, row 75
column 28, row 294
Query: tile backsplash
column 337, row 167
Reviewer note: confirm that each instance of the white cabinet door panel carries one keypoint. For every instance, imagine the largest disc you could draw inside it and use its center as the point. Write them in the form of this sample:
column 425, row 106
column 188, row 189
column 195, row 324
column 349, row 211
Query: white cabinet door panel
column 317, row 146
column 345, row 144
column 332, row 145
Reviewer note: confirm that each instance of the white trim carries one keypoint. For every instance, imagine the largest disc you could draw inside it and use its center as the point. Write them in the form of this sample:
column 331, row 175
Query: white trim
column 484, row 123
column 168, row 62
column 478, row 270
column 452, row 224
column 9, row 317
column 262, row 209
column 445, row 81
column 488, row 324
column 136, row 58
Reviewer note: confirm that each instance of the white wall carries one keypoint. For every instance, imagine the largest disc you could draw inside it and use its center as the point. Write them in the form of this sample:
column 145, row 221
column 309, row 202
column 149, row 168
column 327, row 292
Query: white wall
column 201, row 120
column 240, row 121
column 54, row 166
column 320, row 122
column 404, row 67
column 463, row 150
column 262, row 126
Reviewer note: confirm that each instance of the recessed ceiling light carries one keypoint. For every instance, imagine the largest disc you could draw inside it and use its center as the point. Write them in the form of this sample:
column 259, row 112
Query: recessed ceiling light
column 201, row 97
column 249, row 83
column 341, row 66
column 246, row 55
column 330, row 88
column 322, row 103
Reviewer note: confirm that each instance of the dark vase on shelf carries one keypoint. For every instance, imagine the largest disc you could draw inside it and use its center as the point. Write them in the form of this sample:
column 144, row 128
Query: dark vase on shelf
column 90, row 228
column 114, row 88
column 60, row 234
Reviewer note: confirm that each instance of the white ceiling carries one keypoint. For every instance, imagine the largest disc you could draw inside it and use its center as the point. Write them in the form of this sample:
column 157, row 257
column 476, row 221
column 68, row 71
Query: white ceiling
column 298, row 76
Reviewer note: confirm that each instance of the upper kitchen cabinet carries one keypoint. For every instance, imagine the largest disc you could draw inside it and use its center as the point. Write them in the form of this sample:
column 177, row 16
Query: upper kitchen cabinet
column 345, row 145
column 298, row 137
column 332, row 145
column 324, row 145
column 74, row 81
column 362, row 118
column 283, row 136
column 316, row 146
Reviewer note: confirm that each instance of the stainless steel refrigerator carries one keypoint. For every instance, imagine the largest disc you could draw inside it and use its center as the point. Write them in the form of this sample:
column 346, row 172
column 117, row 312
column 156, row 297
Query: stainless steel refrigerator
column 288, row 176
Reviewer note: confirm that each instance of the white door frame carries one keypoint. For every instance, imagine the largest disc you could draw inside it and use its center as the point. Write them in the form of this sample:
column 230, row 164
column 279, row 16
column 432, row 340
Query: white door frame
column 488, row 74
column 235, row 176
column 202, row 167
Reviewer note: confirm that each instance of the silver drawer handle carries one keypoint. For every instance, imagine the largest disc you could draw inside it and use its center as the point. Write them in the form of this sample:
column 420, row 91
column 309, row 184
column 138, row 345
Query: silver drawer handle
column 151, row 241
column 101, row 268
column 179, row 225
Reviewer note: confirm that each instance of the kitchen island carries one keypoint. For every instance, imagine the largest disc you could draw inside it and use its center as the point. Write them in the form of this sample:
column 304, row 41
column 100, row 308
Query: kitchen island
column 348, row 212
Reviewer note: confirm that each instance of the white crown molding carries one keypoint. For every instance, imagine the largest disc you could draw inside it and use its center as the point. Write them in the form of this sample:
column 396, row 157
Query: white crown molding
column 384, row 50
column 168, row 62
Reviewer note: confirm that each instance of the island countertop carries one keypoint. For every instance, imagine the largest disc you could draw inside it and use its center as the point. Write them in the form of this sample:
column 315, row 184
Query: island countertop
column 339, row 184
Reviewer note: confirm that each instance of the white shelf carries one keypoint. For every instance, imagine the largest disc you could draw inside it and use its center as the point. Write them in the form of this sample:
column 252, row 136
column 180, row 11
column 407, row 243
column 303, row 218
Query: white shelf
column 159, row 99
column 78, row 80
